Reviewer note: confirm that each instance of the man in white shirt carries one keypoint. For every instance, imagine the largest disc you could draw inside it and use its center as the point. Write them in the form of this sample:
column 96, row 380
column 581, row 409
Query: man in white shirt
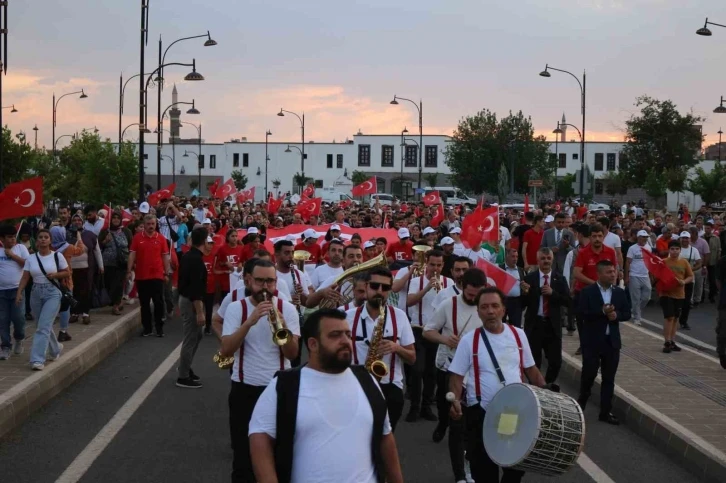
column 333, row 268
column 513, row 356
column 93, row 222
column 421, row 293
column 360, row 282
column 691, row 254
column 246, row 335
column 475, row 253
column 455, row 317
column 12, row 261
column 296, row 280
column 460, row 266
column 455, row 233
column 396, row 346
column 335, row 427
column 636, row 276
column 613, row 241
column 352, row 256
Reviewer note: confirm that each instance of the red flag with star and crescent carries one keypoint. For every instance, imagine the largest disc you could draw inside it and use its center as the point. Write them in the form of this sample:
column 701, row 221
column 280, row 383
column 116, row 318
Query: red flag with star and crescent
column 107, row 220
column 309, row 208
column 308, row 192
column 163, row 194
column 344, row 204
column 246, row 195
column 432, row 198
column 481, row 225
column 437, row 216
column 273, row 205
column 227, row 189
column 664, row 276
column 368, row 187
column 213, row 187
column 24, row 198
column 502, row 280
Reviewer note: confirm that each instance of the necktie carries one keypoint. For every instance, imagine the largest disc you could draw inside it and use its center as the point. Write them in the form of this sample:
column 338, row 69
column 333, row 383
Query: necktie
column 557, row 236
column 545, row 299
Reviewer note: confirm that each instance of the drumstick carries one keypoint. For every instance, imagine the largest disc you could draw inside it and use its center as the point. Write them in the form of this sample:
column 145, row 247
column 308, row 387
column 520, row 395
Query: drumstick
column 465, row 324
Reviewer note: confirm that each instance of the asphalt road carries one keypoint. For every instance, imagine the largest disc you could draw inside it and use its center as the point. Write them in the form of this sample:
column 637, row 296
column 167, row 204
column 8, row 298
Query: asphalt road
column 702, row 320
column 181, row 435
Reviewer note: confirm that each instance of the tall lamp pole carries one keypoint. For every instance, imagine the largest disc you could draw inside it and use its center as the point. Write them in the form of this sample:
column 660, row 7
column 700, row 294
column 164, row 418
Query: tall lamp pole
column 55, row 110
column 583, row 92
column 403, row 147
column 302, row 151
column 267, row 159
column 160, row 128
column 419, row 107
column 121, row 90
column 720, row 132
column 557, row 157
column 3, row 71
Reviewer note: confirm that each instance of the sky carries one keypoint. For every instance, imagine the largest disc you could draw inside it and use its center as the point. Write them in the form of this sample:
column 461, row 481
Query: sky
column 341, row 63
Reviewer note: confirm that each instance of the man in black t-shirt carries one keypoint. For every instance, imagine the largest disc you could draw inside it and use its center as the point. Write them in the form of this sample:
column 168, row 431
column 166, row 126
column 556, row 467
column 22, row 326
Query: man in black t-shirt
column 519, row 235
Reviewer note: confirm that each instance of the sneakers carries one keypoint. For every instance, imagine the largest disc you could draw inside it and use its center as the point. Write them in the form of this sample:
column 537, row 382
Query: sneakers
column 18, row 347
column 86, row 319
column 4, row 353
column 160, row 332
column 57, row 356
column 193, row 376
column 674, row 347
column 207, row 331
column 73, row 319
column 438, row 434
column 37, row 366
column 64, row 336
column 146, row 333
column 667, row 347
column 637, row 322
column 686, row 327
column 188, row 383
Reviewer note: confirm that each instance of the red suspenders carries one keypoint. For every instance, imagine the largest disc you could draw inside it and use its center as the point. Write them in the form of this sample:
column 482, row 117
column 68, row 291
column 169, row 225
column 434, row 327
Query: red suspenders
column 475, row 357
column 394, row 329
column 242, row 347
column 454, row 310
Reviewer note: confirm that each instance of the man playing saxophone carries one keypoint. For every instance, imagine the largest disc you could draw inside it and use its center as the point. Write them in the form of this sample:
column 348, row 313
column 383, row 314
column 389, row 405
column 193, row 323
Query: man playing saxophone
column 396, row 345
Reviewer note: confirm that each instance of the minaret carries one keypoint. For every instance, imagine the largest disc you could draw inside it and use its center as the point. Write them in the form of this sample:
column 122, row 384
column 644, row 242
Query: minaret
column 174, row 114
column 563, row 127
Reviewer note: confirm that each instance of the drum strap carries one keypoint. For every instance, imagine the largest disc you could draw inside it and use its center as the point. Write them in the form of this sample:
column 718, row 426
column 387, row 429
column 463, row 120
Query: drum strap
column 482, row 334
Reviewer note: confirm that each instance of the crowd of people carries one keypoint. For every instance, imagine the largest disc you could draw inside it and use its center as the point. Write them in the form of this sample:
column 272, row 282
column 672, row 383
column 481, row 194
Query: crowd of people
column 418, row 299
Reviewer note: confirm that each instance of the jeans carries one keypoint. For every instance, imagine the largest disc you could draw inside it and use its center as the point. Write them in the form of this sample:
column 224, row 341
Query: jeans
column 45, row 300
column 423, row 373
column 192, row 334
column 11, row 314
column 151, row 290
column 456, row 428
column 640, row 289
column 242, row 400
column 64, row 319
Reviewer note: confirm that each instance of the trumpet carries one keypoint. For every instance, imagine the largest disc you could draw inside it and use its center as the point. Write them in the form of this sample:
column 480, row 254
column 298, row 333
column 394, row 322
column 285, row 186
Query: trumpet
column 437, row 282
column 419, row 252
column 280, row 334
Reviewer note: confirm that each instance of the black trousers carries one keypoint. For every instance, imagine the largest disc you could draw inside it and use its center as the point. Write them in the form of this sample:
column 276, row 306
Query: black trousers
column 578, row 318
column 683, row 320
column 81, row 291
column 544, row 338
column 483, row 469
column 242, row 400
column 456, row 428
column 151, row 290
column 605, row 358
column 208, row 309
column 394, row 401
column 712, row 289
column 114, row 278
column 514, row 311
column 423, row 372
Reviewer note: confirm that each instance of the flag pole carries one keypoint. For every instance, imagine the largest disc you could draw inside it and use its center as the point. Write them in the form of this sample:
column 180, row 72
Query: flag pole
column 17, row 235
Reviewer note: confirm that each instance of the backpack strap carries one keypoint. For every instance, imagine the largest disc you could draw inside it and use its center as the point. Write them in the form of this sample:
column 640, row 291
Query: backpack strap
column 288, row 390
column 475, row 363
column 379, row 409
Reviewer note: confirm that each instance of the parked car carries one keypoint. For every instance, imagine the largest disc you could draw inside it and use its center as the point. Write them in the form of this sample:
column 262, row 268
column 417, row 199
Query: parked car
column 331, row 195
column 453, row 196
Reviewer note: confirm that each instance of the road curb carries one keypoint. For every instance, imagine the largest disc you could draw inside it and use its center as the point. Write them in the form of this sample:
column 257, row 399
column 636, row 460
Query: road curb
column 26, row 397
column 702, row 458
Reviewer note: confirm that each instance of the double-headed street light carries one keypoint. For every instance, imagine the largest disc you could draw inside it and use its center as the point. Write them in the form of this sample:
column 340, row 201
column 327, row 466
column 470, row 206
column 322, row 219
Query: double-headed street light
column 55, row 109
column 418, row 107
column 302, row 129
column 159, row 132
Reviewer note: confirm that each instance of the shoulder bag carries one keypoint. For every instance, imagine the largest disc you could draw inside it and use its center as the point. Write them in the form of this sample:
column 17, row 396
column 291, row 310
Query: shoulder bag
column 67, row 300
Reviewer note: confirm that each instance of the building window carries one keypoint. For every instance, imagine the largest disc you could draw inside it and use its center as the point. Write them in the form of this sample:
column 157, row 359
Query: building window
column 598, row 187
column 235, row 160
column 364, row 155
column 381, row 184
column 330, row 161
column 575, row 156
column 598, row 161
column 387, row 155
column 411, row 156
column 212, row 161
column 563, row 160
column 432, row 156
column 319, row 183
column 611, row 162
column 339, row 161
column 245, row 160
column 623, row 161
column 201, row 161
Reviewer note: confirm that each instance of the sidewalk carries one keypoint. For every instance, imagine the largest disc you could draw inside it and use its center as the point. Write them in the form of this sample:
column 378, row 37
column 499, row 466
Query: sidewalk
column 23, row 391
column 676, row 401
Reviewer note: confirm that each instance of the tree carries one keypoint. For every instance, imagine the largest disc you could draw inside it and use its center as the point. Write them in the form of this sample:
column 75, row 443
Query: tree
column 615, row 183
column 16, row 156
column 193, row 184
column 432, row 179
column 564, row 186
column 709, row 186
column 661, row 145
column 503, row 184
column 481, row 145
column 240, row 179
column 359, row 177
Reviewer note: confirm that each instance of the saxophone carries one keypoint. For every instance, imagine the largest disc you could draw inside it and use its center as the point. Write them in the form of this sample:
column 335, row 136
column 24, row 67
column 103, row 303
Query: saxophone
column 373, row 363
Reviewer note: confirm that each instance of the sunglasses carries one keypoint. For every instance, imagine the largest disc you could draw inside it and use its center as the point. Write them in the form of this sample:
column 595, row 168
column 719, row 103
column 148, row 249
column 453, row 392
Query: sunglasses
column 377, row 285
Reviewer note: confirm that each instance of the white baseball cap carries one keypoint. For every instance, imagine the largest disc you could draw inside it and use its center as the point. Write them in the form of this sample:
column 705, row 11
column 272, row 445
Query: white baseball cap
column 428, row 230
column 252, row 230
column 207, row 221
column 369, row 244
column 310, row 233
column 447, row 240
column 685, row 234
column 335, row 227
column 403, row 233
column 144, row 207
column 455, row 230
column 549, row 219
column 210, row 239
column 643, row 233
column 189, row 207
column 291, row 238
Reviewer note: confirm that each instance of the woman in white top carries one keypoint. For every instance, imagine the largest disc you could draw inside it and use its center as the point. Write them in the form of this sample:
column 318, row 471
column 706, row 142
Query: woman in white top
column 45, row 298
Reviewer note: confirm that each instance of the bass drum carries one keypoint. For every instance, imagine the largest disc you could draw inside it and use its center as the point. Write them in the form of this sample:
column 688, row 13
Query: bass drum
column 534, row 430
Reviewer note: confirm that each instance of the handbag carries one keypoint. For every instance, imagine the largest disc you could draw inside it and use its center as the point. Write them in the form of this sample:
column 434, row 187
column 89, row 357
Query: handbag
column 100, row 297
column 174, row 236
column 67, row 300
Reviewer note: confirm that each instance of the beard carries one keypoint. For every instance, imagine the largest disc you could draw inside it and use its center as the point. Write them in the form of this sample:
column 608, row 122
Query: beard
column 468, row 302
column 260, row 295
column 377, row 300
column 335, row 362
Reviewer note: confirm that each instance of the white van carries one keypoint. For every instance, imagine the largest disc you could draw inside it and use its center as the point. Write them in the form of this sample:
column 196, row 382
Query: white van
column 453, row 196
column 330, row 195
column 383, row 199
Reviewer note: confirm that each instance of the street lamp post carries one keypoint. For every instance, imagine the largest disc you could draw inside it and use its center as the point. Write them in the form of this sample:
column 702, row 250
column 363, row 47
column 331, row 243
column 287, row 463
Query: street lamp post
column 583, row 92
column 418, row 146
column 720, row 132
column 173, row 154
column 72, row 136
column 123, row 133
column 3, row 71
column 302, row 128
column 419, row 107
column 557, row 158
column 142, row 127
column 267, row 159
column 403, row 148
column 173, row 166
column 288, row 150
column 512, row 155
column 55, row 110
column 199, row 168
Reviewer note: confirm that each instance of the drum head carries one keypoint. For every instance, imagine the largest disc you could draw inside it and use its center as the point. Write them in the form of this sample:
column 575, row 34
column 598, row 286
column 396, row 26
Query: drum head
column 511, row 424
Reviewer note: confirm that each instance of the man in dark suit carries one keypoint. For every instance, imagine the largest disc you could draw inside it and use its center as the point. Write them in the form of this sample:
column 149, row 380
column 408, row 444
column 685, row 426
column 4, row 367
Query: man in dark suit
column 602, row 306
column 544, row 295
column 560, row 240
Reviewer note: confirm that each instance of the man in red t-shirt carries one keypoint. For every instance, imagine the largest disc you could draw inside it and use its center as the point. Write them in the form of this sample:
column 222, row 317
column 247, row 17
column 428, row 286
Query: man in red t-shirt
column 310, row 245
column 531, row 242
column 149, row 261
column 402, row 249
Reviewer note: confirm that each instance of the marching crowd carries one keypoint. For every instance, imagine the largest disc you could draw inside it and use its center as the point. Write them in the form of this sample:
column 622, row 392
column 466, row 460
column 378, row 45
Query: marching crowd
column 418, row 302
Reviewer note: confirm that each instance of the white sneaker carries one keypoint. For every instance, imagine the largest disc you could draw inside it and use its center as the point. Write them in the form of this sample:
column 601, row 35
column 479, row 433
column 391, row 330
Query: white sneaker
column 637, row 322
column 57, row 356
column 467, row 471
column 130, row 301
column 38, row 366
column 18, row 347
column 4, row 353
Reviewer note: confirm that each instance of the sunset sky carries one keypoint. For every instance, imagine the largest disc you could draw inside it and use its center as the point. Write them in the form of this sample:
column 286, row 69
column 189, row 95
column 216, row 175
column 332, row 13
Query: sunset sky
column 341, row 63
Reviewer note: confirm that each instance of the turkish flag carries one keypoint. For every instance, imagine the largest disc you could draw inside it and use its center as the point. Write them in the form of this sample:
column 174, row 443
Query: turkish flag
column 480, row 226
column 223, row 232
column 24, row 198
column 404, row 208
column 437, row 216
column 309, row 208
column 212, row 210
column 664, row 276
column 432, row 198
column 246, row 195
column 213, row 187
column 345, row 204
column 273, row 205
column 163, row 194
column 126, row 217
column 107, row 220
column 368, row 187
column 308, row 192
column 227, row 189
column 304, row 197
column 502, row 279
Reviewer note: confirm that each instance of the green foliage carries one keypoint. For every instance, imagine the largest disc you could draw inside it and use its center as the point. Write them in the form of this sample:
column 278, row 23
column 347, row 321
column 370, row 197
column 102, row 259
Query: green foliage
column 482, row 145
column 710, row 186
column 503, row 184
column 276, row 183
column 661, row 140
column 616, row 183
column 432, row 178
column 564, row 186
column 654, row 185
column 193, row 184
column 359, row 177
column 240, row 179
column 17, row 154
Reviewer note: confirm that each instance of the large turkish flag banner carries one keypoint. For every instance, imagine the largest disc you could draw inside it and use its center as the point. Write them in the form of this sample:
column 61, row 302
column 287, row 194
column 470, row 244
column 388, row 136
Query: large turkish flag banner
column 24, row 198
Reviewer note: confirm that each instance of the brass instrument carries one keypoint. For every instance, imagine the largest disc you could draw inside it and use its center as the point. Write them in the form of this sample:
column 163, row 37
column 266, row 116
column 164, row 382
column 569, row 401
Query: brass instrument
column 437, row 283
column 280, row 334
column 299, row 257
column 223, row 362
column 374, row 364
column 420, row 258
column 378, row 261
